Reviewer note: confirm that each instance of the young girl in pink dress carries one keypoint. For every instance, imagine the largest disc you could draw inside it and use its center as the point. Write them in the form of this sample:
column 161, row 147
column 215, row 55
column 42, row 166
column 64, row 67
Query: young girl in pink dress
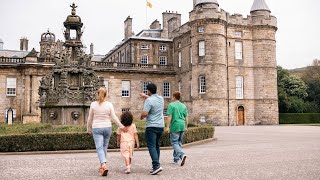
column 127, row 140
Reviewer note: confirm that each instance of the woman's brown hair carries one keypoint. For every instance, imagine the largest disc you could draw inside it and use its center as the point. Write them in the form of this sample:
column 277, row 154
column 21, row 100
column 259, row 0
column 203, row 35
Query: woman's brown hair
column 101, row 95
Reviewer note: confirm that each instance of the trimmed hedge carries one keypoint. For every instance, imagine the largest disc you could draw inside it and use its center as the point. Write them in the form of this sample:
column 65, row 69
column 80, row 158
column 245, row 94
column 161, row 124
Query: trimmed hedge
column 82, row 141
column 299, row 118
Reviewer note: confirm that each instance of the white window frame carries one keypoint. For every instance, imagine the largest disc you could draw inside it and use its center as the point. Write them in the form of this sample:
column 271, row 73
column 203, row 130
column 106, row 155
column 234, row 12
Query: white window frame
column 125, row 89
column 238, row 46
column 238, row 34
column 179, row 45
column 190, row 54
column 163, row 48
column 163, row 60
column 144, row 87
column 11, row 86
column 201, row 29
column 106, row 84
column 144, row 46
column 166, row 89
column 239, row 87
column 144, row 59
column 202, row 48
column 202, row 84
column 179, row 59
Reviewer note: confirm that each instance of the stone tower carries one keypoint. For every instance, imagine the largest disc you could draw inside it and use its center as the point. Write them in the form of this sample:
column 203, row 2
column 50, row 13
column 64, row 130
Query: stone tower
column 208, row 33
column 66, row 92
column 264, row 55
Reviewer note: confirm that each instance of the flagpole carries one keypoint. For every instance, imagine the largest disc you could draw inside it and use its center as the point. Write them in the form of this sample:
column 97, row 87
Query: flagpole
column 146, row 14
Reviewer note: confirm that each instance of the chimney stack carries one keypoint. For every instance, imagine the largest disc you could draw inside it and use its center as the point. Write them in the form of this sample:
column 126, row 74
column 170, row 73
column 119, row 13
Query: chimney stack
column 128, row 27
column 91, row 49
column 24, row 44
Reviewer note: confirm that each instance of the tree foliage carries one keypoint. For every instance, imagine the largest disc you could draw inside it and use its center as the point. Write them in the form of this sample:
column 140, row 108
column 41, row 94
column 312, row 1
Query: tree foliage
column 299, row 95
column 292, row 92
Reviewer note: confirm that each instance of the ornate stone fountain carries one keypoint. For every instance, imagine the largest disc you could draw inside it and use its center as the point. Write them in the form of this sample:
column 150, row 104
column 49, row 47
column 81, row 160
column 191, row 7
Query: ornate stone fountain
column 67, row 91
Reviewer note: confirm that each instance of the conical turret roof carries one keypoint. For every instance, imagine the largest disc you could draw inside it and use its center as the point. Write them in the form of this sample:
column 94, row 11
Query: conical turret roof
column 206, row 2
column 259, row 5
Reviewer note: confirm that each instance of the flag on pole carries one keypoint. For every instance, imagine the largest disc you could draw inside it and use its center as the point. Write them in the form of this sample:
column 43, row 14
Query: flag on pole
column 149, row 4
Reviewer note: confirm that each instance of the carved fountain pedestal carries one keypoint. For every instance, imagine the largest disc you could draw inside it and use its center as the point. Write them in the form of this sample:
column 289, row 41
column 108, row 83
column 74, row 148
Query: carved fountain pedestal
column 68, row 90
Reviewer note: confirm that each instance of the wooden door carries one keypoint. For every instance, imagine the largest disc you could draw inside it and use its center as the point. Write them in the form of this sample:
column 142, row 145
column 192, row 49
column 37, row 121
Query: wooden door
column 240, row 116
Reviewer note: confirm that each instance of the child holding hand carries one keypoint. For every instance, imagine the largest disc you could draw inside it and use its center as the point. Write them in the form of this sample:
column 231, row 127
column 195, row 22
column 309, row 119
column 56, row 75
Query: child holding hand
column 128, row 139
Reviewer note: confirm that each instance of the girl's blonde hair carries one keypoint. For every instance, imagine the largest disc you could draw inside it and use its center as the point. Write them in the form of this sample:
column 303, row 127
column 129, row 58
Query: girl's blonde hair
column 101, row 95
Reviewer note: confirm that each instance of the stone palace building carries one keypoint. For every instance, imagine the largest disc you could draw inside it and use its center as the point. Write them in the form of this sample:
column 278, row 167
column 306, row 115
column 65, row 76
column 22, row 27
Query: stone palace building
column 224, row 65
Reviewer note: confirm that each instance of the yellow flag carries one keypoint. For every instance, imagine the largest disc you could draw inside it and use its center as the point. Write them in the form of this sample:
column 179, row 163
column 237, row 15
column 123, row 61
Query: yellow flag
column 149, row 4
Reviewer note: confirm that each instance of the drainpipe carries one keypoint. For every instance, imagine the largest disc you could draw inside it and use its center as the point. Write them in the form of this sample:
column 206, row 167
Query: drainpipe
column 227, row 56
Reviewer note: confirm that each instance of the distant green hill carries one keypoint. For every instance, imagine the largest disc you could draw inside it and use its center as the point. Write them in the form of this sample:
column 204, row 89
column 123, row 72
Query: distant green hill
column 297, row 71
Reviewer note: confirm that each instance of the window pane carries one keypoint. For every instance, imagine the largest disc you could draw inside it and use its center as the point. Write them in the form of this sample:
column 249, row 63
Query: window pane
column 163, row 48
column 125, row 88
column 238, row 50
column 179, row 59
column 239, row 87
column 144, row 46
column 144, row 59
column 11, row 82
column 201, row 48
column 202, row 84
column 166, row 89
column 163, row 60
column 144, row 87
column 11, row 86
column 106, row 84
column 190, row 55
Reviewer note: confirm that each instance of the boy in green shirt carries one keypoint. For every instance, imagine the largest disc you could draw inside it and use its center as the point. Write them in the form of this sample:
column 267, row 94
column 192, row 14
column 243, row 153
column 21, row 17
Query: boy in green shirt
column 177, row 124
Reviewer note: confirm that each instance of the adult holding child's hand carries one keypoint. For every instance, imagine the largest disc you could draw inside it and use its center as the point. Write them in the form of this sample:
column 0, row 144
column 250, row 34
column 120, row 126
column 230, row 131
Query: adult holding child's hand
column 101, row 114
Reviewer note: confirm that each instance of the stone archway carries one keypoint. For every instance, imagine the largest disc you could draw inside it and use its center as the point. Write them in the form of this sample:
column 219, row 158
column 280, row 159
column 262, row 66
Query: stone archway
column 240, row 113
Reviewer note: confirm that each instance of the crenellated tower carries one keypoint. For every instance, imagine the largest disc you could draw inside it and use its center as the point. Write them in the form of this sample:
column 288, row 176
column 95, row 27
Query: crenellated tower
column 264, row 27
column 209, row 63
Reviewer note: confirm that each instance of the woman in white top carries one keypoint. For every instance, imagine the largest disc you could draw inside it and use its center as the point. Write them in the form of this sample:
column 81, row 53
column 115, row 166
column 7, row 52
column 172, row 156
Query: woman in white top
column 101, row 114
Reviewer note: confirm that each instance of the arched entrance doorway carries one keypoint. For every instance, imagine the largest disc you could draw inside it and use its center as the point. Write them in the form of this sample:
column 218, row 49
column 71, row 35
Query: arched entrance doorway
column 240, row 116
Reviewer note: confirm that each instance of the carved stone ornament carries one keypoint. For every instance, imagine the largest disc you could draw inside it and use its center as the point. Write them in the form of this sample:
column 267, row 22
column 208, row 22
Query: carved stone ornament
column 75, row 115
column 53, row 115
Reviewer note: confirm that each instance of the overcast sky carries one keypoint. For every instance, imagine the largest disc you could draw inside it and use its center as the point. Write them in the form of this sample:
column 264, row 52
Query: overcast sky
column 298, row 33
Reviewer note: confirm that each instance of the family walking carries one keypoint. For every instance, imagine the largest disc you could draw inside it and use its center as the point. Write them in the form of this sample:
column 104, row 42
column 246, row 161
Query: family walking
column 101, row 114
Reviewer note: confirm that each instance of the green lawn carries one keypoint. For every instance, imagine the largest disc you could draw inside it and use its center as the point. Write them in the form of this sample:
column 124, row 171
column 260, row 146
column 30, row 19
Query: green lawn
column 44, row 128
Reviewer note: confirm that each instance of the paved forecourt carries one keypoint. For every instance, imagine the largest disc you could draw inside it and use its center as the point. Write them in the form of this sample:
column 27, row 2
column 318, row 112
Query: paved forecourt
column 248, row 152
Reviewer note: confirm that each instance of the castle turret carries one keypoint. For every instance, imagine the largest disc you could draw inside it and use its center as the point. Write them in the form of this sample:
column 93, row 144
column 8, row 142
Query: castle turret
column 209, row 62
column 264, row 27
column 206, row 3
column 259, row 7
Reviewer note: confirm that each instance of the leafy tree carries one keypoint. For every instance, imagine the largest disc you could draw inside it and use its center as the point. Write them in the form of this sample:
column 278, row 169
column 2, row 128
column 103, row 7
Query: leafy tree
column 312, row 78
column 292, row 92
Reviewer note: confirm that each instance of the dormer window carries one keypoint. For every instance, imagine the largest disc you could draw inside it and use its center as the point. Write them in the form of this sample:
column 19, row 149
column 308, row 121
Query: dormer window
column 144, row 46
column 201, row 29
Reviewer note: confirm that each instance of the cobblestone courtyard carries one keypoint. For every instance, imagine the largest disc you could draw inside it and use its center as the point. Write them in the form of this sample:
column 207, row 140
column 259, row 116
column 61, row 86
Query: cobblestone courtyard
column 259, row 152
